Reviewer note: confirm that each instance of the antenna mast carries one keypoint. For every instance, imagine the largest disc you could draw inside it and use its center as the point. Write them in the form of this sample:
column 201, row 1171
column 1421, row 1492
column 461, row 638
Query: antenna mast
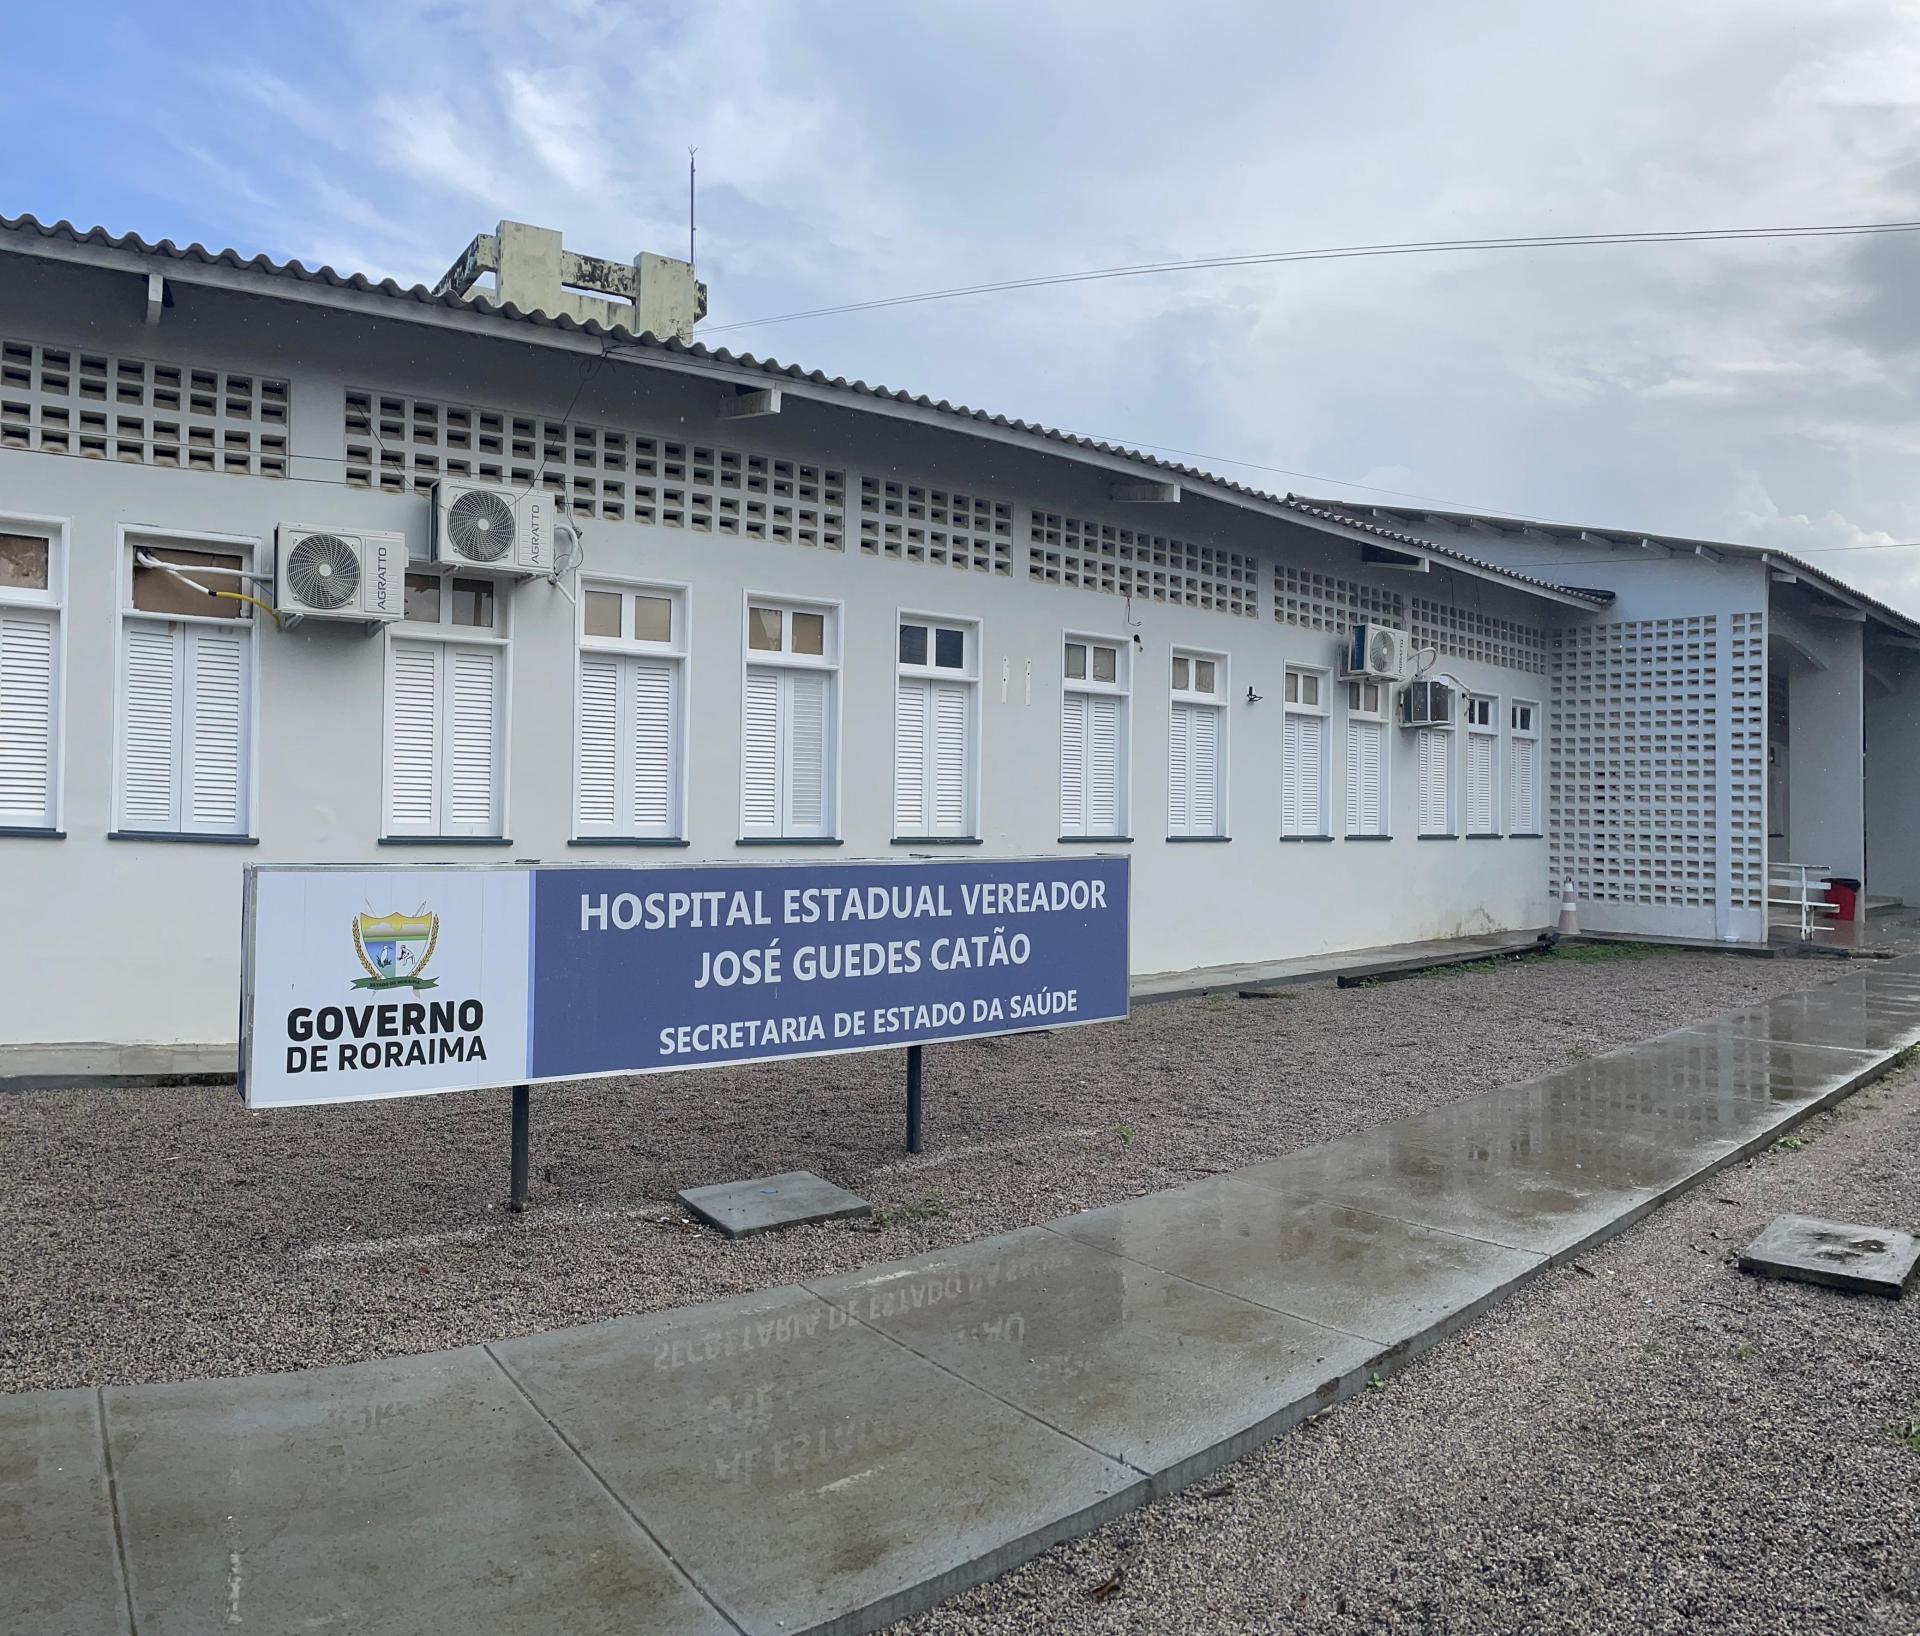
column 690, row 195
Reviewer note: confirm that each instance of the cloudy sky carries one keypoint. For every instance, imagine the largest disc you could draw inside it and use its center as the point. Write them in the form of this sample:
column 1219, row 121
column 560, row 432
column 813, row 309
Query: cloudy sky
column 1760, row 392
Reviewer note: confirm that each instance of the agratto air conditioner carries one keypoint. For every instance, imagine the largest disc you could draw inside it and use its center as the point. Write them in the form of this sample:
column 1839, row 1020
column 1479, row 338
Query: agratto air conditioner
column 339, row 573
column 494, row 530
column 1374, row 653
column 1426, row 703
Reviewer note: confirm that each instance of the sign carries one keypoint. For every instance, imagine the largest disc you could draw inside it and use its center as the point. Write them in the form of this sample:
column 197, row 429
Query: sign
column 400, row 981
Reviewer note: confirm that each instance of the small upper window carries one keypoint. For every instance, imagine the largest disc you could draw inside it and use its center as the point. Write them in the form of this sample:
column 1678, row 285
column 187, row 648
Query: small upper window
column 796, row 631
column 176, row 590
column 435, row 599
column 1523, row 718
column 942, row 646
column 1093, row 661
column 627, row 616
column 1303, row 689
column 1479, row 710
column 1196, row 677
column 25, row 562
column 1366, row 698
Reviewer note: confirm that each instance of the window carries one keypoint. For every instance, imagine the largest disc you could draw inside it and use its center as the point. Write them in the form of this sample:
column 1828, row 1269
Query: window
column 934, row 717
column 1523, row 770
column 1434, row 754
column 186, row 674
column 1094, row 738
column 446, row 710
column 30, row 584
column 1303, row 755
column 788, row 749
column 1482, row 765
column 1197, row 746
column 1367, row 759
column 628, row 740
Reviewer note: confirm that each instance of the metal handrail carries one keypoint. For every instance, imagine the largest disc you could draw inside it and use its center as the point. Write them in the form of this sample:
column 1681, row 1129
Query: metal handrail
column 1809, row 906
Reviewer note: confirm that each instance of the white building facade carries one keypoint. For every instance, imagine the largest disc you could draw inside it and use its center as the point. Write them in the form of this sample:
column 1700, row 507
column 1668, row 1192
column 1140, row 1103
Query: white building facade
column 806, row 618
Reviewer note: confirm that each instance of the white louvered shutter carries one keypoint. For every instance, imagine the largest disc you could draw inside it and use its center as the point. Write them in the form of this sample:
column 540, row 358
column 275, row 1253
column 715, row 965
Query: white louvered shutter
column 1205, row 744
column 1303, row 775
column 1480, row 792
column 1180, row 770
column 807, row 728
column 472, row 741
column 910, row 757
column 1524, row 796
column 216, row 722
column 1313, row 775
column 1290, row 753
column 1366, row 778
column 27, row 647
column 1103, row 765
column 652, row 734
column 760, row 754
column 950, row 740
column 596, row 750
column 150, row 734
column 1073, row 764
column 1432, row 751
column 413, row 738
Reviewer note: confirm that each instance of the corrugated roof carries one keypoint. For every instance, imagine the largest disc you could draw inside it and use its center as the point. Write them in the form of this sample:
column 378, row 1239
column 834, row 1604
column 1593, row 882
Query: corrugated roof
column 1569, row 533
column 420, row 295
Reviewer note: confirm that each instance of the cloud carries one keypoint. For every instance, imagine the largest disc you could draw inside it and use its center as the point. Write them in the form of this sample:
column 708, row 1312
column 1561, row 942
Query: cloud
column 1753, row 391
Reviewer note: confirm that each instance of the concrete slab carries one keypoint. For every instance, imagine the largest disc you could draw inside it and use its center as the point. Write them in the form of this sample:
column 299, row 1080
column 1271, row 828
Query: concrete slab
column 59, row 1571
column 1842, row 1254
column 1161, row 1374
column 1842, row 1013
column 1313, row 968
column 808, row 1472
column 1512, row 1174
column 408, row 1496
column 792, row 1199
column 1384, row 1280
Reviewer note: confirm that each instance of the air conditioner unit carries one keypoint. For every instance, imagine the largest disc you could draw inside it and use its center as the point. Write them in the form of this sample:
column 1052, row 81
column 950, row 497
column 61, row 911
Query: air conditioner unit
column 498, row 531
column 1426, row 703
column 1374, row 653
column 339, row 573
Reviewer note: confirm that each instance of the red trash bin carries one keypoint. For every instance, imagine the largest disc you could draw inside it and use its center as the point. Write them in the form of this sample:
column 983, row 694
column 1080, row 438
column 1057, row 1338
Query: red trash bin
column 1844, row 894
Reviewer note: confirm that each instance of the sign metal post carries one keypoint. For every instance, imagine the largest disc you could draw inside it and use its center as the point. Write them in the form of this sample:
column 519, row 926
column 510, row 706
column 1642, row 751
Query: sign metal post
column 913, row 1099
column 522, row 1097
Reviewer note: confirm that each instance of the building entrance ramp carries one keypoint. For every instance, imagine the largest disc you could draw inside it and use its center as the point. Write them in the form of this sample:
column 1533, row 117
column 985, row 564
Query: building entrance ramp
column 828, row 1457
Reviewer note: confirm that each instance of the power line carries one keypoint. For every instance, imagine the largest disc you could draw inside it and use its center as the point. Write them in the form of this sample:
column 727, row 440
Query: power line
column 1341, row 252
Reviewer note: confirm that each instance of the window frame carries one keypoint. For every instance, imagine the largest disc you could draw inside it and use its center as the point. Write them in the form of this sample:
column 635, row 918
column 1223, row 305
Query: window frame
column 57, row 531
column 444, row 631
column 128, row 538
column 1217, row 701
column 677, row 649
column 1381, row 717
column 969, row 675
column 1121, row 688
column 1536, row 736
column 831, row 662
column 1489, row 730
column 1323, row 674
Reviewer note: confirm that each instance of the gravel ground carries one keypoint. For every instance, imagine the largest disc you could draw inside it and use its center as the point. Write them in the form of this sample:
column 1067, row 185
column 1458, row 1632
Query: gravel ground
column 1658, row 1443
column 164, row 1234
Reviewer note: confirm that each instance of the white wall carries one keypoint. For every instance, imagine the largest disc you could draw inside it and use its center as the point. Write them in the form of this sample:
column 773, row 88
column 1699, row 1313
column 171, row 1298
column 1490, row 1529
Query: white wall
column 142, row 937
column 1892, row 710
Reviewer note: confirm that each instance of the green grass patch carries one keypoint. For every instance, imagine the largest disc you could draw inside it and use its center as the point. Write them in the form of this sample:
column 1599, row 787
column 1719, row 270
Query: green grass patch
column 1906, row 1433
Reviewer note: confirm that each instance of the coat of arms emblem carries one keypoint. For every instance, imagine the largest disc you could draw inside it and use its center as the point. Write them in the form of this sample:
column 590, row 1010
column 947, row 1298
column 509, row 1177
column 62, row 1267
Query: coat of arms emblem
column 394, row 948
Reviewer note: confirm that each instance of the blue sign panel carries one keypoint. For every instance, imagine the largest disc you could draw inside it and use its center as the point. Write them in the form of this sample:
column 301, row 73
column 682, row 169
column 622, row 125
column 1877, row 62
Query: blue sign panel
column 638, row 970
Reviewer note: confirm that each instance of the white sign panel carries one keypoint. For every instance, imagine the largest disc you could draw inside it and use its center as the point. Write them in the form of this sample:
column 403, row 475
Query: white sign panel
column 369, row 983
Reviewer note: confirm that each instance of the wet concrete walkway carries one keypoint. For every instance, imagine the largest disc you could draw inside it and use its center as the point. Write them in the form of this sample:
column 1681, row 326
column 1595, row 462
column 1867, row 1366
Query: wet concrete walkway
column 831, row 1457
